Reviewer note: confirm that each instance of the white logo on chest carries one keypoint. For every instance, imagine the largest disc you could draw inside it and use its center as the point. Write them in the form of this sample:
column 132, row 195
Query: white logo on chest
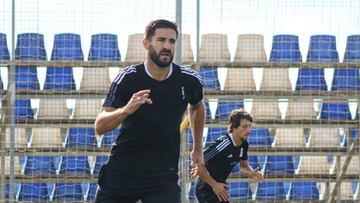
column 241, row 152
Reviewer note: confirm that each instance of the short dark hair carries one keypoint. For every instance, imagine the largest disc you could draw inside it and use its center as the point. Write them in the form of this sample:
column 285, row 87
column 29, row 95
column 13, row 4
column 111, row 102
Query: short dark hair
column 236, row 116
column 159, row 23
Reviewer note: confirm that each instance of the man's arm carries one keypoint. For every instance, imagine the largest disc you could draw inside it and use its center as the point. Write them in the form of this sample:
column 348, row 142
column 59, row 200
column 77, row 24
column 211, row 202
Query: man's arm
column 218, row 188
column 110, row 118
column 254, row 173
column 197, row 120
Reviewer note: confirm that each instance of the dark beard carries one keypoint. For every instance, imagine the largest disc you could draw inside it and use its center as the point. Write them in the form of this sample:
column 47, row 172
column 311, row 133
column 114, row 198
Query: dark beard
column 156, row 58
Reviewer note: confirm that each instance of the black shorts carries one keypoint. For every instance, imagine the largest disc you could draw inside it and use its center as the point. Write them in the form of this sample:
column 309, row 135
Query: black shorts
column 115, row 186
column 205, row 194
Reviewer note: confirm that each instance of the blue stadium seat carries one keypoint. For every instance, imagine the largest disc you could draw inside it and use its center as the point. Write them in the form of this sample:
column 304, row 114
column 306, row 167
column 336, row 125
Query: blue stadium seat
column 92, row 191
column 352, row 51
column 16, row 191
column 346, row 80
column 225, row 107
column 81, row 138
column 40, row 165
column 240, row 191
column 67, row 47
column 322, row 49
column 104, row 47
column 192, row 195
column 30, row 46
column 189, row 138
column 259, row 137
column 208, row 112
column 279, row 165
column 109, row 138
column 213, row 134
column 68, row 192
column 304, row 191
column 100, row 161
column 4, row 50
column 253, row 162
column 74, row 165
column 210, row 77
column 285, row 48
column 270, row 191
column 26, row 78
column 4, row 53
column 335, row 111
column 34, row 192
column 23, row 110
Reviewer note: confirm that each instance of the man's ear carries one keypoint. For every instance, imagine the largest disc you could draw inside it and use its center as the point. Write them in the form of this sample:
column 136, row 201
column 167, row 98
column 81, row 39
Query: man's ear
column 146, row 43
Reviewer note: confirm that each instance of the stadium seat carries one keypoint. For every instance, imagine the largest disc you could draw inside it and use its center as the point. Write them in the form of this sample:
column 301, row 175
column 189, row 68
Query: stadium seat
column 259, row 137
column 289, row 138
column 208, row 111
column 353, row 167
column 210, row 77
column 30, row 46
column 4, row 50
column 18, row 165
column 74, row 165
column 104, row 47
column 304, row 191
column 187, row 56
column 81, row 138
column 213, row 134
column 322, row 49
column 67, row 47
column 279, row 165
column 335, row 111
column 250, row 48
column 17, row 188
column 191, row 194
column 136, row 53
column 34, row 192
column 68, row 192
column 347, row 190
column 52, row 109
column 214, row 49
column 263, row 109
column 253, row 162
column 239, row 79
column 300, row 110
column 109, row 138
column 224, row 108
column 270, row 191
column 46, row 138
column 92, row 191
column 98, row 74
column 23, row 111
column 40, row 165
column 348, row 79
column 21, row 138
column 307, row 166
column 100, row 161
column 285, row 48
column 240, row 191
column 87, row 108
column 324, row 137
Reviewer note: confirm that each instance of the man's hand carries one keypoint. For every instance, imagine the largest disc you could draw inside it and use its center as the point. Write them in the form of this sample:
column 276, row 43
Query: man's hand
column 139, row 98
column 220, row 191
column 196, row 157
column 257, row 175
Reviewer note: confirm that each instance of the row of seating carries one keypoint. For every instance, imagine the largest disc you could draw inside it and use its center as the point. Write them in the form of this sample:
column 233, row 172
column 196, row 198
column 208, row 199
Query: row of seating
column 56, row 138
column 55, row 109
column 44, row 192
column 55, row 165
column 284, row 191
column 285, row 137
column 214, row 48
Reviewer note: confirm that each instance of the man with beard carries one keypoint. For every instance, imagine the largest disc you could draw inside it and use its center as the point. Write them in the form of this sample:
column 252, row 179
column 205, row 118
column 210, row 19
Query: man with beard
column 221, row 156
column 149, row 101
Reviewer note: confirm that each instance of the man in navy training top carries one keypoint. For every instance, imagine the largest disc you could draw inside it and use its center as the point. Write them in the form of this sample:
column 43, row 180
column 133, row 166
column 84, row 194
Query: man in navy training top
column 149, row 101
column 221, row 156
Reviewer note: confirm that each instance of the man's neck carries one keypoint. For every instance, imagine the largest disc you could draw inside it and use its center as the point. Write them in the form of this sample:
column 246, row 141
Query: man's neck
column 156, row 72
